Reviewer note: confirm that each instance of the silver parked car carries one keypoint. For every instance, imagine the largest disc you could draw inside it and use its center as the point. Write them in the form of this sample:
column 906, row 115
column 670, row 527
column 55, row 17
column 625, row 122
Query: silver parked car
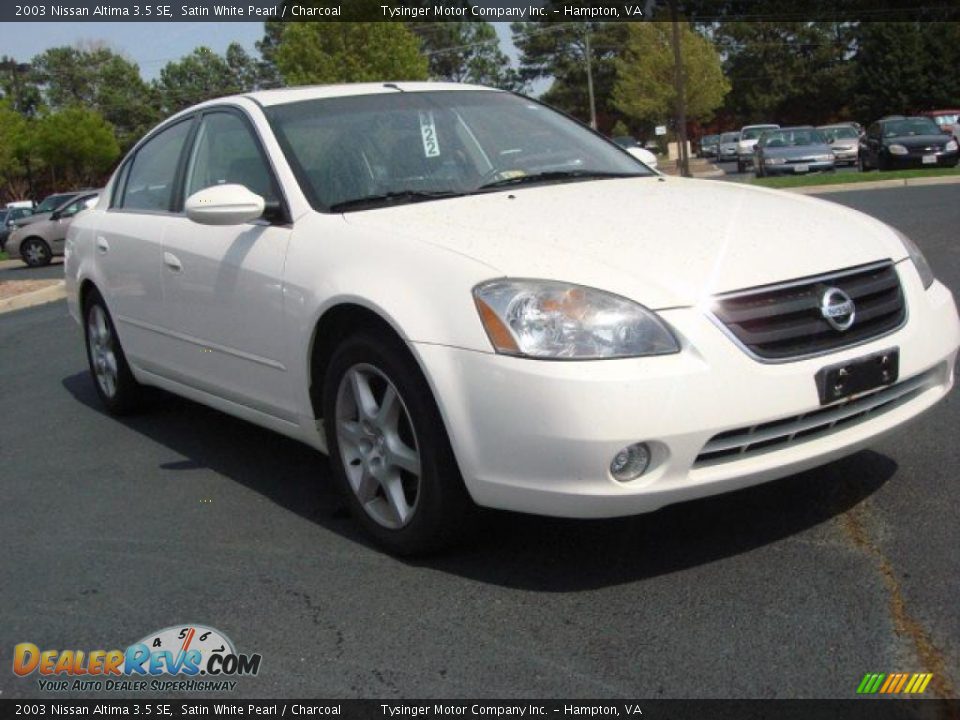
column 39, row 242
column 844, row 140
column 728, row 146
column 793, row 150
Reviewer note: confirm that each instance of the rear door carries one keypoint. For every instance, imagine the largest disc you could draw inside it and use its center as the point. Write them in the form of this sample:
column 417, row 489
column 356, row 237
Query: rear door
column 129, row 244
column 223, row 285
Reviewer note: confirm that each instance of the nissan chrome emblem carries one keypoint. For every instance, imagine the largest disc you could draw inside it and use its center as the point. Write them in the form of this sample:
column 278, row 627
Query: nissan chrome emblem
column 837, row 309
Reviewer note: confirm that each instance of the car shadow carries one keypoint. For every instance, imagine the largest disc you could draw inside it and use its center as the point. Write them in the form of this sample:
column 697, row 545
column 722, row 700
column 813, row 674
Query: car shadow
column 512, row 549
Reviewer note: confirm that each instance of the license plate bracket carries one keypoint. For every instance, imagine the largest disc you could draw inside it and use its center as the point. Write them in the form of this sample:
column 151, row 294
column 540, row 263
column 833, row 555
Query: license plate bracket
column 844, row 380
column 801, row 168
column 929, row 159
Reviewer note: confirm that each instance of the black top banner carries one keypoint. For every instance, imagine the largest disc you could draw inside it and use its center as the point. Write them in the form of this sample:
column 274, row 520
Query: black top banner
column 478, row 10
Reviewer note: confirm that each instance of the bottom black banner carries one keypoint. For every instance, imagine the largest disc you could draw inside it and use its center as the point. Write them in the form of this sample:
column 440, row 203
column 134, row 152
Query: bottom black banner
column 860, row 709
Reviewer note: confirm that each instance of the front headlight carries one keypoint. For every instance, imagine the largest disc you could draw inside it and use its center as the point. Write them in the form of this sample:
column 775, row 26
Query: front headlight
column 560, row 321
column 919, row 261
column 897, row 149
column 950, row 146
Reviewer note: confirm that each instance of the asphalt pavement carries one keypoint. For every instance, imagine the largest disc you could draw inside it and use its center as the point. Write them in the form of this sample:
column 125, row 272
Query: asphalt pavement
column 18, row 270
column 112, row 529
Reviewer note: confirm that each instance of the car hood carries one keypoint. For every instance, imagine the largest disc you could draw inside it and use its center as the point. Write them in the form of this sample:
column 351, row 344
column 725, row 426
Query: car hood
column 914, row 141
column 665, row 242
column 31, row 219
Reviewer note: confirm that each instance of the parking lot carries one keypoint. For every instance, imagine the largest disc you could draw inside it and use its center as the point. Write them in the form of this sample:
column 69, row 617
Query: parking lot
column 795, row 588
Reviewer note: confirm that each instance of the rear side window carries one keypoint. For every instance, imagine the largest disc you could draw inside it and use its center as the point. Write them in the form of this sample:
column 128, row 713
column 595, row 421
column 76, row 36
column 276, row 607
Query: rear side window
column 152, row 175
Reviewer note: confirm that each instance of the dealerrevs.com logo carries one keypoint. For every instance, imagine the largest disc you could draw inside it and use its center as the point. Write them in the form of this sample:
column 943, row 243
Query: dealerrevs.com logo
column 182, row 658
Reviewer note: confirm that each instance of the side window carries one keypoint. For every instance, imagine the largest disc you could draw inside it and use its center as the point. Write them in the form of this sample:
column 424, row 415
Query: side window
column 116, row 199
column 153, row 171
column 226, row 152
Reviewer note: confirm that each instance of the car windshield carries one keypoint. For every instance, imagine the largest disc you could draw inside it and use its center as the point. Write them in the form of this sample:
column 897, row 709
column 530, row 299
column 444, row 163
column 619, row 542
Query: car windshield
column 399, row 147
column 910, row 126
column 52, row 202
column 754, row 133
column 841, row 133
column 729, row 137
column 793, row 138
column 709, row 139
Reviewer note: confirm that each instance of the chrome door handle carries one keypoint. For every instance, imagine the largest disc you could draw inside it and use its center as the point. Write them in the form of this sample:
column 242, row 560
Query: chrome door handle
column 102, row 246
column 172, row 262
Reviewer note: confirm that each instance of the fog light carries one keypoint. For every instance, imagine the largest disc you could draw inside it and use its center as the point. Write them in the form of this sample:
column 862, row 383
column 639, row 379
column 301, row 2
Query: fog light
column 631, row 462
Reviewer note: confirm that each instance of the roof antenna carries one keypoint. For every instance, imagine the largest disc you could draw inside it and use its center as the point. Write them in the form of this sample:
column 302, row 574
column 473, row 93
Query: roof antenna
column 394, row 86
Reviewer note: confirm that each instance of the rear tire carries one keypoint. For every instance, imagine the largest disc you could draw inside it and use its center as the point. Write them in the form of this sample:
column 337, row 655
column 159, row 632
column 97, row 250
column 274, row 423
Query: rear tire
column 118, row 390
column 389, row 449
column 35, row 252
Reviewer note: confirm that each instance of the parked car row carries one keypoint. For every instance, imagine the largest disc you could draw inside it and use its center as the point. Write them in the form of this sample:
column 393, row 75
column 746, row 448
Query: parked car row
column 927, row 140
column 36, row 234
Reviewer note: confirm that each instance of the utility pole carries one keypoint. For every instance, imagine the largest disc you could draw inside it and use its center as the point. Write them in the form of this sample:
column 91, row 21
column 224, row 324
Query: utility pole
column 678, row 81
column 589, row 57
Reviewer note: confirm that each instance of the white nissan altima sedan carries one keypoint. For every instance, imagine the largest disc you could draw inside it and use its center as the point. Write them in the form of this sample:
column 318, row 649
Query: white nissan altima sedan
column 467, row 299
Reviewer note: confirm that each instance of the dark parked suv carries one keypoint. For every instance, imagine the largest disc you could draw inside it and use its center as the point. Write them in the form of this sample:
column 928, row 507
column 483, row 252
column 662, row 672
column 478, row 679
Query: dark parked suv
column 905, row 142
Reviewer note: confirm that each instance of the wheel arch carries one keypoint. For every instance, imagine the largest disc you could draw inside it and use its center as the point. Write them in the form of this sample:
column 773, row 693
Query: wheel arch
column 336, row 323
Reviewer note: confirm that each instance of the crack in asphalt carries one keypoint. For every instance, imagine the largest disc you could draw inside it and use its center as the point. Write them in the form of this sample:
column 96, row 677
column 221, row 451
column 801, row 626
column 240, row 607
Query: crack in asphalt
column 854, row 524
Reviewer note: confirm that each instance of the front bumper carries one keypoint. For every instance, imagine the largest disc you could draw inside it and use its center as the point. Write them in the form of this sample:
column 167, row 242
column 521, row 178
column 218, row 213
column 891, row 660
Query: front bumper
column 538, row 436
column 791, row 169
column 915, row 160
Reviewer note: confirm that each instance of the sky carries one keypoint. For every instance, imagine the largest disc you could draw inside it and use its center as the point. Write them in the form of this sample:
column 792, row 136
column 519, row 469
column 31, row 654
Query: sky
column 149, row 44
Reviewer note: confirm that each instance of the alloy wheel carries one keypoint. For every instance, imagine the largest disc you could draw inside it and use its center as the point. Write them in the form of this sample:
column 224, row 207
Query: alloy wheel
column 103, row 356
column 378, row 446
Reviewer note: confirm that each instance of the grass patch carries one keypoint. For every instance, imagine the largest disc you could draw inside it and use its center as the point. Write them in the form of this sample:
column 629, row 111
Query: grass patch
column 790, row 181
column 3, row 256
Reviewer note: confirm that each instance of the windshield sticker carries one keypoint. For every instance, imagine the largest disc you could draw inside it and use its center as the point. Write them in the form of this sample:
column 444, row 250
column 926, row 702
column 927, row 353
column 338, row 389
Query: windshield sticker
column 428, row 133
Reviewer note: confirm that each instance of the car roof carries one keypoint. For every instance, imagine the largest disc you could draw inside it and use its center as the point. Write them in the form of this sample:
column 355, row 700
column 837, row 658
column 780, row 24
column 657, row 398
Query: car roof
column 280, row 96
column 760, row 125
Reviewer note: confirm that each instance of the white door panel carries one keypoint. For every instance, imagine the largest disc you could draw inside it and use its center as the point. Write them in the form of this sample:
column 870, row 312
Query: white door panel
column 224, row 299
column 128, row 252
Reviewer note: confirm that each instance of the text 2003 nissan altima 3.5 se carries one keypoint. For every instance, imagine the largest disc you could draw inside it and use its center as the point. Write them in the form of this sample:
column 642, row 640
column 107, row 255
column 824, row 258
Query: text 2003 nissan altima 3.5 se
column 466, row 298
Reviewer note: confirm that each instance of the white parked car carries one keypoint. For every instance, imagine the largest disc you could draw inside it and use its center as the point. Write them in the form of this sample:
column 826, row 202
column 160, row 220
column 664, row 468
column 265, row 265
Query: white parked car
column 466, row 298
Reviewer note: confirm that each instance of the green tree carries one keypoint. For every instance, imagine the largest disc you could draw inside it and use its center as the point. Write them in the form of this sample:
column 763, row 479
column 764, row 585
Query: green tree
column 201, row 75
column 77, row 145
column 787, row 72
column 320, row 52
column 100, row 79
column 13, row 143
column 466, row 52
column 645, row 90
column 558, row 50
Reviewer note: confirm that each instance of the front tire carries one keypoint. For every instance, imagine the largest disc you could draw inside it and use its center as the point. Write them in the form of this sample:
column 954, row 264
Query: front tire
column 118, row 390
column 35, row 252
column 389, row 450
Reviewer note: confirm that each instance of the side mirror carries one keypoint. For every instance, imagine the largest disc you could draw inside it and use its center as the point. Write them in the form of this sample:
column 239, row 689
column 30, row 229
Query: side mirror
column 224, row 205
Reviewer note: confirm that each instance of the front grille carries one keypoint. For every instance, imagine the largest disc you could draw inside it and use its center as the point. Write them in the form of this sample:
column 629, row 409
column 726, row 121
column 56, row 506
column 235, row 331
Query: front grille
column 784, row 322
column 741, row 443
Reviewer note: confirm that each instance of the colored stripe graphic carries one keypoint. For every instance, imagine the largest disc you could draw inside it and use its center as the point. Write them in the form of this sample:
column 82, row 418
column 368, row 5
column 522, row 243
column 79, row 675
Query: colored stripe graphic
column 894, row 683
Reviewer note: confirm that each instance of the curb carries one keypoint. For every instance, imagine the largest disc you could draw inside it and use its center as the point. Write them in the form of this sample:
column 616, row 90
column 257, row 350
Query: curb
column 37, row 297
column 873, row 185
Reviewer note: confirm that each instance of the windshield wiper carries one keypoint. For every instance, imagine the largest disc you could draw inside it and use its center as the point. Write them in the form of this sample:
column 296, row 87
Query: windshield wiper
column 392, row 198
column 556, row 175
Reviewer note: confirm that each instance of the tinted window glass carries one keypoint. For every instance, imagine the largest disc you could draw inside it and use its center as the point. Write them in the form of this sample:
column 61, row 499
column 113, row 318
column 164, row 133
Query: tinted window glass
column 226, row 152
column 154, row 169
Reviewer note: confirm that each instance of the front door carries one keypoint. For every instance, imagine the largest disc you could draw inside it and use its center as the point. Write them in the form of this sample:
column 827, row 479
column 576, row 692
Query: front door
column 223, row 285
